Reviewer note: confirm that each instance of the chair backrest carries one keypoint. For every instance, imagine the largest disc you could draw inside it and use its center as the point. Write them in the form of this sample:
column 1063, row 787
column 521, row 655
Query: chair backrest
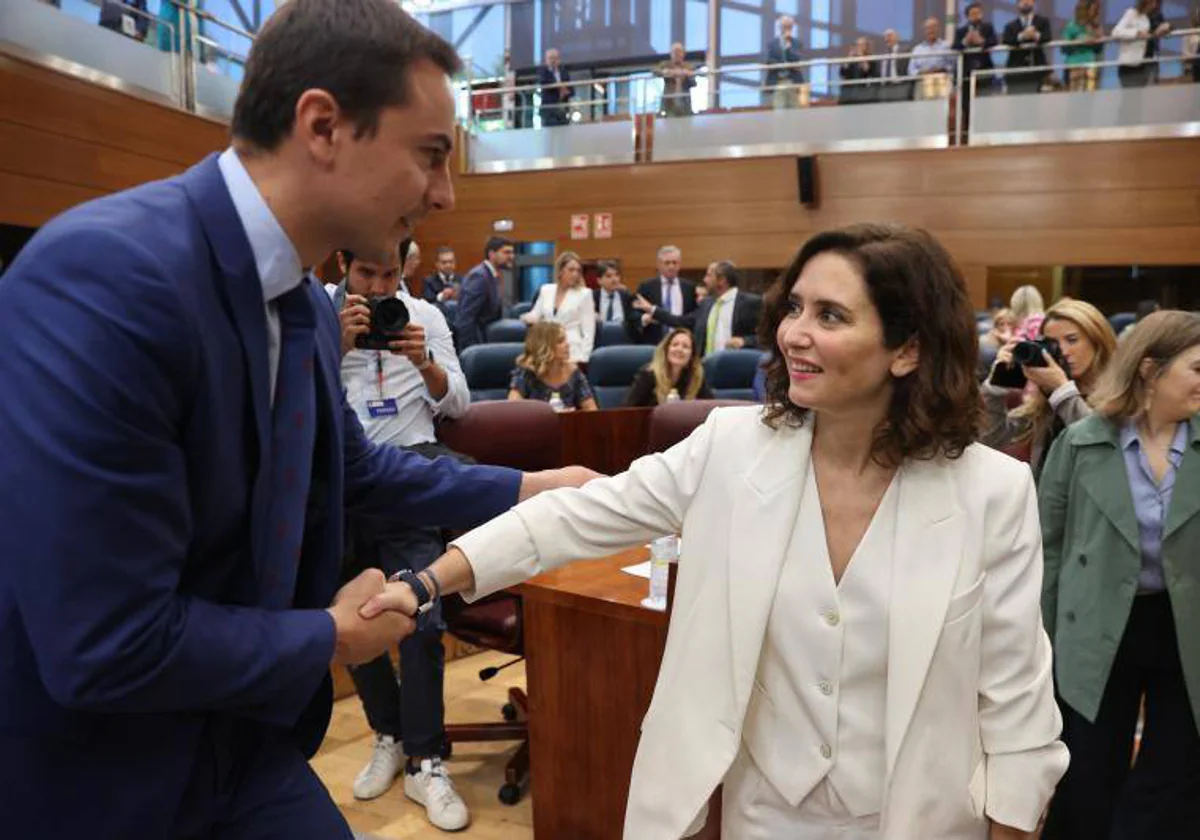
column 522, row 434
column 672, row 422
column 518, row 309
column 1121, row 320
column 730, row 373
column 506, row 330
column 488, row 369
column 609, row 334
column 611, row 371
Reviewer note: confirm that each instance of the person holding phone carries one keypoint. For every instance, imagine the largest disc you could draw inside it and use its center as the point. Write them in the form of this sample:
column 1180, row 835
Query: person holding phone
column 1078, row 343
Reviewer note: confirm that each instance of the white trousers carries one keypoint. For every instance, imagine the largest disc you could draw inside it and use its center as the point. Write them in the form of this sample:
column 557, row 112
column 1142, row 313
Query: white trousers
column 751, row 809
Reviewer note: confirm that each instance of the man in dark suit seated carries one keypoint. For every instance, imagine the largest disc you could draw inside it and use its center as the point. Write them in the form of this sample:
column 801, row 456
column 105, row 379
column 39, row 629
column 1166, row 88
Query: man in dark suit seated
column 443, row 284
column 479, row 302
column 614, row 303
column 665, row 300
column 728, row 318
column 556, row 89
column 169, row 568
column 860, row 75
column 780, row 82
column 1027, row 34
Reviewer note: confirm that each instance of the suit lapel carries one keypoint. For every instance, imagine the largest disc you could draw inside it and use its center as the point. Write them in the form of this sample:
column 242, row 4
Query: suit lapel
column 1185, row 498
column 239, row 286
column 925, row 558
column 764, row 512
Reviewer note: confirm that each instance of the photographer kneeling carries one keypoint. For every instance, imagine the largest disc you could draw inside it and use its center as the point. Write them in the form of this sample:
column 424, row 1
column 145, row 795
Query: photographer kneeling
column 1076, row 345
column 400, row 372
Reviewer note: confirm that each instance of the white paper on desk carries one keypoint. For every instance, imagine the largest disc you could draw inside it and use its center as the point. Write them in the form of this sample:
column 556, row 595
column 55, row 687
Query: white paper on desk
column 641, row 570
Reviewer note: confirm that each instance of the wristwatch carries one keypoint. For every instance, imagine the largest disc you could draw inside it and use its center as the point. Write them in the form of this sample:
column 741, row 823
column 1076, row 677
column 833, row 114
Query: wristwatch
column 425, row 599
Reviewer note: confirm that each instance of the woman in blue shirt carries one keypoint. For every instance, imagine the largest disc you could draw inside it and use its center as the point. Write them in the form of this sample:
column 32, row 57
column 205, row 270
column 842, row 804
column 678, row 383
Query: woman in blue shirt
column 1120, row 511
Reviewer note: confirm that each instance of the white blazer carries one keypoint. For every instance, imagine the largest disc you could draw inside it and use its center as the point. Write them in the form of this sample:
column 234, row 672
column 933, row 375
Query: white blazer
column 1132, row 30
column 971, row 728
column 577, row 315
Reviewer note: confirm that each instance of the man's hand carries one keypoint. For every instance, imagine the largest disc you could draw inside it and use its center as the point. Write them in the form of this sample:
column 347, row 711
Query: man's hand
column 397, row 597
column 356, row 320
column 996, row 831
column 538, row 482
column 642, row 305
column 411, row 345
column 360, row 640
column 735, row 343
column 1030, row 34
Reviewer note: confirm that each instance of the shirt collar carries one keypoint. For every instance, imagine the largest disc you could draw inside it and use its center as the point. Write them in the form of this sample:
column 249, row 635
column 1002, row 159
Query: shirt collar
column 729, row 295
column 275, row 258
column 667, row 282
column 1131, row 437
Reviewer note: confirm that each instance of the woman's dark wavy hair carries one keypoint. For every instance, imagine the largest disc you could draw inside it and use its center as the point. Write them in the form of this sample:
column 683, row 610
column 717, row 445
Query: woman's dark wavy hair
column 920, row 296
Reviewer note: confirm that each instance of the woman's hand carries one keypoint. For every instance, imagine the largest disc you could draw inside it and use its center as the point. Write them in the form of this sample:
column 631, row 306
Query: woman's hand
column 996, row 831
column 1049, row 378
column 1004, row 354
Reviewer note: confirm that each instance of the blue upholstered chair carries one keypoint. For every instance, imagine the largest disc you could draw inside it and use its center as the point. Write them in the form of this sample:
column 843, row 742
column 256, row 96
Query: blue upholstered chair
column 506, row 331
column 730, row 373
column 611, row 371
column 488, row 368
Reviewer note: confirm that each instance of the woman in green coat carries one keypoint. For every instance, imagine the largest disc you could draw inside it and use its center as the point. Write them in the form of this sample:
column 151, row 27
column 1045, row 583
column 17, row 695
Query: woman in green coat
column 1120, row 511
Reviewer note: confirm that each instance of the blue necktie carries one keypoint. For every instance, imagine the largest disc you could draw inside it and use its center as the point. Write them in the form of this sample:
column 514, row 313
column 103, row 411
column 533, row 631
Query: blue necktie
column 667, row 296
column 294, row 432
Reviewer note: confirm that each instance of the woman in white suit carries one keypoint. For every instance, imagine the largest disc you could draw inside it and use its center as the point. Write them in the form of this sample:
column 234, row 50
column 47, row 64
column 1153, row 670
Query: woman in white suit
column 569, row 302
column 856, row 648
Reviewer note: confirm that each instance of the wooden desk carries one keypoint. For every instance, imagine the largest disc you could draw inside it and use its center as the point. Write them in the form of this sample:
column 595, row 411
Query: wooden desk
column 592, row 657
column 606, row 441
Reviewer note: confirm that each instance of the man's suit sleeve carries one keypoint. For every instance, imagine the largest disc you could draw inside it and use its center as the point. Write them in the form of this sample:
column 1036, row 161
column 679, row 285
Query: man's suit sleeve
column 431, row 287
column 469, row 306
column 753, row 308
column 96, row 360
column 989, row 36
column 1012, row 33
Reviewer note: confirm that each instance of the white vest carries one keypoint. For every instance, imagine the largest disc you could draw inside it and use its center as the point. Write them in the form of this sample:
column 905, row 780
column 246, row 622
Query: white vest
column 817, row 713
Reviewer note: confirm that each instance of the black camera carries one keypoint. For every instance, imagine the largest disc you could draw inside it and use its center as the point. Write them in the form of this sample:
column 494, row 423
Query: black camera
column 389, row 317
column 1028, row 354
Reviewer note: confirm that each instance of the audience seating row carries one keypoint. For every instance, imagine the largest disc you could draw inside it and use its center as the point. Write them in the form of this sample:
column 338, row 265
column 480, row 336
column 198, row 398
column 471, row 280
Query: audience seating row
column 488, row 369
column 510, row 330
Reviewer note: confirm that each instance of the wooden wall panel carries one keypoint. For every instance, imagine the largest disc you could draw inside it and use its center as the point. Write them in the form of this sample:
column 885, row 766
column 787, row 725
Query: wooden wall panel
column 64, row 140
column 1079, row 204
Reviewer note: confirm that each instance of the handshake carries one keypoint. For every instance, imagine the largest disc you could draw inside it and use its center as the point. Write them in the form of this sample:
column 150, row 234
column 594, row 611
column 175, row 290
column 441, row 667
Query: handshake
column 369, row 617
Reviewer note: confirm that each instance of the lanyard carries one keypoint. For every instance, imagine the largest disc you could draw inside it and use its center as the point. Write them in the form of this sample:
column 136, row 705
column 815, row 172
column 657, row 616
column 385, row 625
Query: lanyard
column 379, row 371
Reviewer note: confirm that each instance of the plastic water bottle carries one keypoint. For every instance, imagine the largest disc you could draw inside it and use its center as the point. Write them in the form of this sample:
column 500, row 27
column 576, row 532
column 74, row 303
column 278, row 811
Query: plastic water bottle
column 556, row 402
column 673, row 396
column 663, row 552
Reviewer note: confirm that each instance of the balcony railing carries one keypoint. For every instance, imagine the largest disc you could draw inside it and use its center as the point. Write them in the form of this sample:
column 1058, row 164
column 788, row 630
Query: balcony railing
column 190, row 59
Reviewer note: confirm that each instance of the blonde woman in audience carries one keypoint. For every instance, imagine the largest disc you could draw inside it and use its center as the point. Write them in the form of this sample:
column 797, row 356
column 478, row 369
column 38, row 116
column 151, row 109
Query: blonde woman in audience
column 568, row 301
column 1027, row 308
column 545, row 370
column 855, row 649
column 1057, row 397
column 1085, row 33
column 1120, row 513
column 674, row 373
column 1004, row 325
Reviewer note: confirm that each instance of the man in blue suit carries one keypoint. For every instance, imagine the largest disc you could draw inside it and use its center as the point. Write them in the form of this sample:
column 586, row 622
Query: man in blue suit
column 178, row 455
column 479, row 302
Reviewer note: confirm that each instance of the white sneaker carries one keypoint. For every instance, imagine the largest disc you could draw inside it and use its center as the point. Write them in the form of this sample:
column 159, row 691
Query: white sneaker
column 432, row 787
column 387, row 762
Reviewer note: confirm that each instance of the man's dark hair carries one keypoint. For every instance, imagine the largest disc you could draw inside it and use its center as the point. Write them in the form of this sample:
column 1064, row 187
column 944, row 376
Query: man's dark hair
column 359, row 51
column 974, row 4
column 494, row 244
column 604, row 266
column 726, row 269
column 442, row 251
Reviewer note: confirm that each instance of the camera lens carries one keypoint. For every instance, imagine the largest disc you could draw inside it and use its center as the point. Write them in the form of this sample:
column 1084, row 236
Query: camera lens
column 1027, row 352
column 390, row 316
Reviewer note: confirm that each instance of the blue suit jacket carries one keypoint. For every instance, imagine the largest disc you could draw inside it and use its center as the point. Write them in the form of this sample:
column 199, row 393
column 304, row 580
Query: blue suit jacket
column 135, row 432
column 479, row 304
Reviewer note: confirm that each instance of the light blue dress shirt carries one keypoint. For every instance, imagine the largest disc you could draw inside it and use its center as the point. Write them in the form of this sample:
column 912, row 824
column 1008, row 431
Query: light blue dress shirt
column 275, row 257
column 923, row 60
column 1151, row 499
